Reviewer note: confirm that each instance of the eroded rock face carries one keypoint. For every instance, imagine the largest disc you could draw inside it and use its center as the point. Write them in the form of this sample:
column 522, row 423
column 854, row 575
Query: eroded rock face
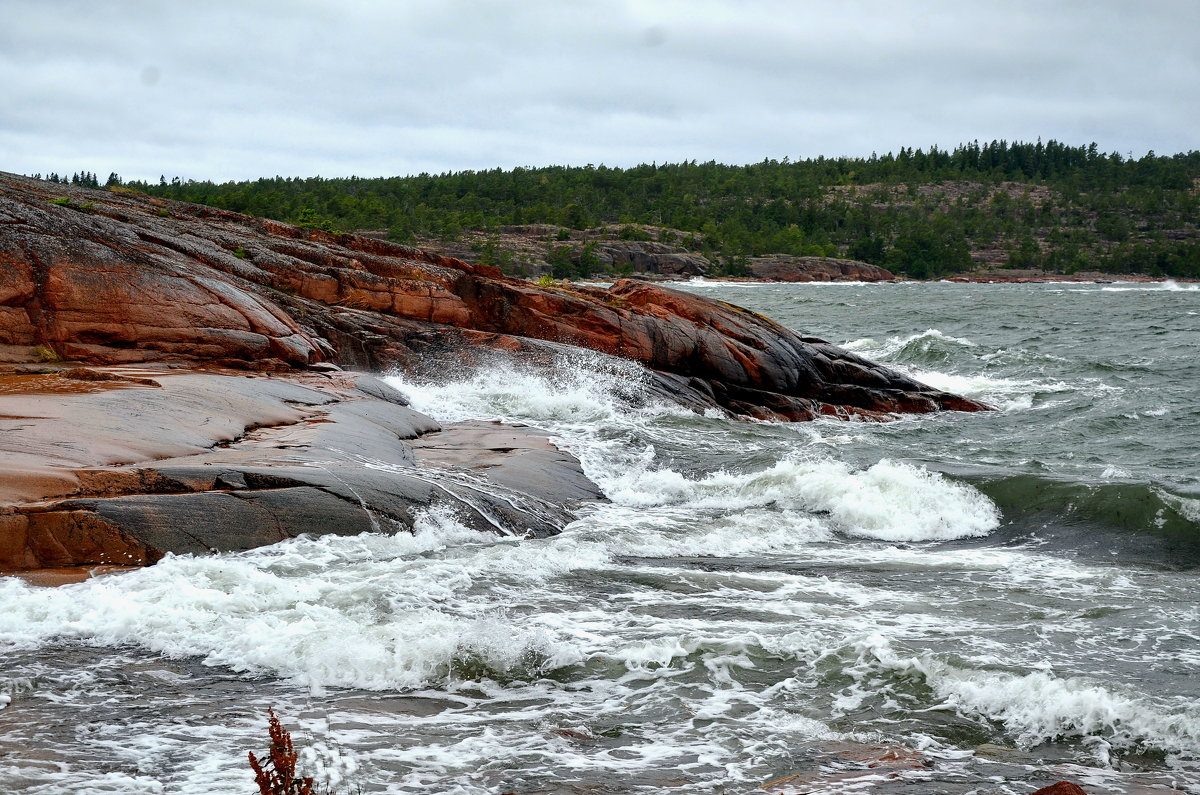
column 786, row 268
column 100, row 291
column 649, row 257
column 111, row 277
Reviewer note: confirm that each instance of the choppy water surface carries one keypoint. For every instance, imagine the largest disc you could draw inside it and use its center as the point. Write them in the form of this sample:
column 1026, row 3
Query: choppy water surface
column 946, row 604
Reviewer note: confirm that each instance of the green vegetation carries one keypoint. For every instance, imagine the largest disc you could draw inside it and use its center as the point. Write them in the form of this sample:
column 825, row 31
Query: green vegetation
column 64, row 201
column 920, row 213
column 44, row 353
column 311, row 219
column 82, row 178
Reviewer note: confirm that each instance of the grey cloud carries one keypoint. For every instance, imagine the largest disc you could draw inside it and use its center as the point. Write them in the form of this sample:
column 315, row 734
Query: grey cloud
column 229, row 90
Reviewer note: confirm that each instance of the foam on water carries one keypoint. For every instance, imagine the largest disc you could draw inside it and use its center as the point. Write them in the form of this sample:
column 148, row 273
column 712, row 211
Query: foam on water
column 1006, row 394
column 1040, row 707
column 581, row 388
column 670, row 657
column 1035, row 707
column 754, row 598
column 1188, row 507
column 374, row 612
column 887, row 501
column 1167, row 286
column 932, row 356
column 892, row 346
column 700, row 281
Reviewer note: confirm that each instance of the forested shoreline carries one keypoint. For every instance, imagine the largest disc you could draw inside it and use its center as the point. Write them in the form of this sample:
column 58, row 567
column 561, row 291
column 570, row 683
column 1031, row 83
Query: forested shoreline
column 920, row 213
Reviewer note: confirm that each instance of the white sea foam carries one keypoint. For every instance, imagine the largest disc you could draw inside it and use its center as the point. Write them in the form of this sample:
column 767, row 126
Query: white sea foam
column 1037, row 707
column 675, row 650
column 1187, row 507
column 700, row 281
column 869, row 346
column 385, row 612
column 583, row 388
column 372, row 613
column 910, row 354
column 1168, row 286
column 699, row 618
column 888, row 501
column 1006, row 394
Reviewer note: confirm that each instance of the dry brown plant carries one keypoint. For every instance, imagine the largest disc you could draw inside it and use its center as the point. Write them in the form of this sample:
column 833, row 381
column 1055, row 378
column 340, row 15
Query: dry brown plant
column 276, row 774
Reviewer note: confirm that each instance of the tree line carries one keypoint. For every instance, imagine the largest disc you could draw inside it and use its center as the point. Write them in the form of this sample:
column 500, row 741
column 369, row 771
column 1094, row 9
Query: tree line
column 922, row 213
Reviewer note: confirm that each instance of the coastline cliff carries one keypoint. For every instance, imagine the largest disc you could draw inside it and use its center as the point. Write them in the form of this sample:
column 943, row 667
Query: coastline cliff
column 213, row 412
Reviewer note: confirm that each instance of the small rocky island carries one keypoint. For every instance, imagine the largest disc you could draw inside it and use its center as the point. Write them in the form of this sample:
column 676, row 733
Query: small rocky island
column 175, row 378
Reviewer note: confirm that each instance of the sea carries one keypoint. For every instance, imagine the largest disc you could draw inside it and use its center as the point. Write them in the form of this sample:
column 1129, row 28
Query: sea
column 950, row 603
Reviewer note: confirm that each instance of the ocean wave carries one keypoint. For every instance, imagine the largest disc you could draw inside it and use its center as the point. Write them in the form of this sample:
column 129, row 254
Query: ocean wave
column 1167, row 286
column 580, row 389
column 373, row 612
column 1034, row 707
column 1137, row 520
column 957, row 364
column 1040, row 707
column 930, row 346
column 1006, row 394
column 700, row 281
column 600, row 421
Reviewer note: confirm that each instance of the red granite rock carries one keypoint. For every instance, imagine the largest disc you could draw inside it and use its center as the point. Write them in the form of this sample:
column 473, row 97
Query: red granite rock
column 788, row 268
column 121, row 278
column 1061, row 788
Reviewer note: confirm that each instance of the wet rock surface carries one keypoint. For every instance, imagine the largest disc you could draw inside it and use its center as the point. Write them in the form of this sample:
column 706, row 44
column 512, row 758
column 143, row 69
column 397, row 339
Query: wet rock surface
column 209, row 461
column 148, row 450
column 106, row 278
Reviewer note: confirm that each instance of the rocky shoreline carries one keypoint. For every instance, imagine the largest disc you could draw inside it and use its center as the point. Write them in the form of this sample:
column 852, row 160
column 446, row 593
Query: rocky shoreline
column 118, row 466
column 175, row 384
column 975, row 277
column 1015, row 276
column 657, row 254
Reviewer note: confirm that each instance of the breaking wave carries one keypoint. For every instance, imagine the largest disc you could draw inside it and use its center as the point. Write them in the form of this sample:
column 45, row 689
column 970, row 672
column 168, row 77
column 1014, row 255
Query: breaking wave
column 1033, row 707
column 618, row 446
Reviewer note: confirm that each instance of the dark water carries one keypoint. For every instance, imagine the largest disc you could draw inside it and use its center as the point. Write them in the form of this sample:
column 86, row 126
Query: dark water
column 950, row 604
column 1100, row 386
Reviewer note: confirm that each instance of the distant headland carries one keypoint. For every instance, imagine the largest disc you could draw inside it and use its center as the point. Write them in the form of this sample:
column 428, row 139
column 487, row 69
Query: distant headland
column 997, row 211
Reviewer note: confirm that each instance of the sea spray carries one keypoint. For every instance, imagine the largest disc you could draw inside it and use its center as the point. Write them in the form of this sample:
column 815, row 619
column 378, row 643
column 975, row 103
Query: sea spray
column 617, row 446
column 727, row 618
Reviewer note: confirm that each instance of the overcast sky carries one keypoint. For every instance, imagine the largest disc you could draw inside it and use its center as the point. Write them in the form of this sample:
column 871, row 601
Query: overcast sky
column 237, row 89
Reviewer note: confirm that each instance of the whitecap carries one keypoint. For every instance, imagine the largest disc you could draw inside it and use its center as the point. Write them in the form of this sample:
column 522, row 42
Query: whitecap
column 1038, row 706
column 894, row 345
column 1169, row 286
column 1006, row 394
column 888, row 501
